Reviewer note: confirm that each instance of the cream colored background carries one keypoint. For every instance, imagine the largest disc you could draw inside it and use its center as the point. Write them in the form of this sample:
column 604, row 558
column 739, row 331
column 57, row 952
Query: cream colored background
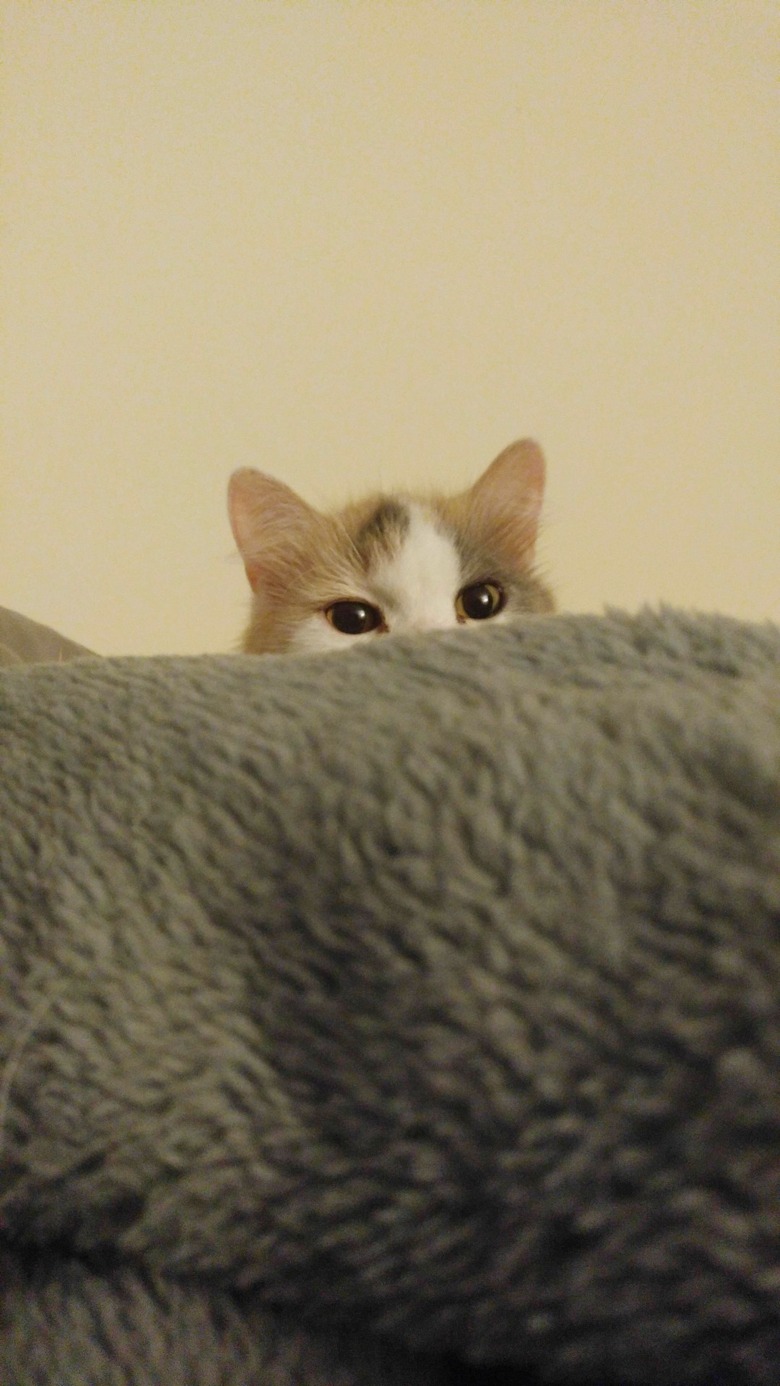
column 361, row 243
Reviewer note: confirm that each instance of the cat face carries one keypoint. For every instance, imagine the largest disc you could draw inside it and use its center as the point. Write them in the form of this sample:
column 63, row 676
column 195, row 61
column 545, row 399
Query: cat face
column 389, row 564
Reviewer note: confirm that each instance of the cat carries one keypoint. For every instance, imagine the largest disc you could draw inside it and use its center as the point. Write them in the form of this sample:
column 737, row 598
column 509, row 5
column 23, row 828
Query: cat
column 393, row 563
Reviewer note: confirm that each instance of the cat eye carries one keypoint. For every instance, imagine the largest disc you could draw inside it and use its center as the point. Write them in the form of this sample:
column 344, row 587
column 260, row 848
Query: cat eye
column 480, row 601
column 354, row 618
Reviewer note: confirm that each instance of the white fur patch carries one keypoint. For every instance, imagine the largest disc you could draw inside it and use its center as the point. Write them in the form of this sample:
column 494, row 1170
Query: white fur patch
column 414, row 588
column 417, row 586
column 317, row 636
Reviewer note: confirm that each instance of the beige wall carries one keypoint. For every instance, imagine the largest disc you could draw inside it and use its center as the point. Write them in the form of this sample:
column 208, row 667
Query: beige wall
column 372, row 242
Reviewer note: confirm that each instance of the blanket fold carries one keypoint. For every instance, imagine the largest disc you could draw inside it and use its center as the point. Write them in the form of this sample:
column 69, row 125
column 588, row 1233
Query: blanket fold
column 395, row 1016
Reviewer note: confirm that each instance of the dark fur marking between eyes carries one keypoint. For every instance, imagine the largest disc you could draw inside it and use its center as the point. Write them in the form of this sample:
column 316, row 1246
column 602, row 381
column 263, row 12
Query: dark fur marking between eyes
column 382, row 531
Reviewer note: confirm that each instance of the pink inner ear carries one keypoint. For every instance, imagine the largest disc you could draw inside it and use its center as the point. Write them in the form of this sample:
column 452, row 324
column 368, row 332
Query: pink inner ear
column 507, row 499
column 268, row 520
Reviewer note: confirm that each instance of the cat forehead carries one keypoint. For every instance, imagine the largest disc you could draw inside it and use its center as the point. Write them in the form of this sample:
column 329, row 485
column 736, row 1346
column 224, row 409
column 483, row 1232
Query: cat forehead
column 384, row 527
column 379, row 527
column 421, row 573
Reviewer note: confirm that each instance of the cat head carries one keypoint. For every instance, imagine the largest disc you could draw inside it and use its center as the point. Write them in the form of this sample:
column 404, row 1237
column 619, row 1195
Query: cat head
column 391, row 563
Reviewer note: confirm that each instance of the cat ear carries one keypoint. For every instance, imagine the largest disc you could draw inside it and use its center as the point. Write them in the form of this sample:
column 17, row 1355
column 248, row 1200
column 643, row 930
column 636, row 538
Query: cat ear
column 267, row 518
column 507, row 498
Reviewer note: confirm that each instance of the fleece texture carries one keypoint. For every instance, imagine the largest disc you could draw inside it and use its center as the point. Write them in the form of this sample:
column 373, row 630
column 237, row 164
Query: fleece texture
column 411, row 1015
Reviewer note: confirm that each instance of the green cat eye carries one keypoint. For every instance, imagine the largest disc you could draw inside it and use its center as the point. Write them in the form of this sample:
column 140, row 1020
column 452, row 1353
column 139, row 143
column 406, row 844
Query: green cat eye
column 480, row 601
column 354, row 618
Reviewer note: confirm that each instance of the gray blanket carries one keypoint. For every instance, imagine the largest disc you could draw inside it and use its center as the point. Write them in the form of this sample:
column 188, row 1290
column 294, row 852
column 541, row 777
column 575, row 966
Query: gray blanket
column 404, row 1016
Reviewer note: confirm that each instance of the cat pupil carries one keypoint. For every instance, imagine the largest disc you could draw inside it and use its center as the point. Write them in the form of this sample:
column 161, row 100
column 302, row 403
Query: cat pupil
column 353, row 618
column 480, row 601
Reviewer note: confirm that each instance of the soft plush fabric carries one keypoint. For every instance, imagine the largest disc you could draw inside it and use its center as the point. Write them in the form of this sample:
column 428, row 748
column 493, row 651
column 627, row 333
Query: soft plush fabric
column 363, row 1017
column 23, row 641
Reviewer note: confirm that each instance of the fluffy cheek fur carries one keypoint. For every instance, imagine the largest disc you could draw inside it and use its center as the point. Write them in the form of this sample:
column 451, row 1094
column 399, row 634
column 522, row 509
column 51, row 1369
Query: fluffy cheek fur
column 294, row 619
column 315, row 635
